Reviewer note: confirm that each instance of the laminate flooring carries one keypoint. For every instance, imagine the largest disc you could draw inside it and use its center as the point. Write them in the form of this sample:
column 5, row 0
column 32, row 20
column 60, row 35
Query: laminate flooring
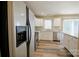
column 50, row 49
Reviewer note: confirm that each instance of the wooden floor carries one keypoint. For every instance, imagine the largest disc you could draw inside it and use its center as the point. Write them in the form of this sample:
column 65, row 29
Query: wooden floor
column 50, row 49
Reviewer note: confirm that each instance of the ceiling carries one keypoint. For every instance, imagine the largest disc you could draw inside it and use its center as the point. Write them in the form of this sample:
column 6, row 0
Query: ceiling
column 45, row 8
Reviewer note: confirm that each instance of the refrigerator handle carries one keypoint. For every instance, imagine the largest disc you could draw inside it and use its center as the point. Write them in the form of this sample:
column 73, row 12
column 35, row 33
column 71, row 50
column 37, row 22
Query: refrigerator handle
column 30, row 33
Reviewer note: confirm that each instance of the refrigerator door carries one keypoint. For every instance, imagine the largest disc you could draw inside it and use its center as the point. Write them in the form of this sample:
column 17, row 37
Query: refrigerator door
column 28, row 36
column 21, row 41
column 19, row 15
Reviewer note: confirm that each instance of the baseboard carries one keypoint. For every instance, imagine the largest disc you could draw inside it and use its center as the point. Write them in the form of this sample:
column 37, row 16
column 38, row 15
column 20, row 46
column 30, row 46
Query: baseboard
column 44, row 40
column 50, row 40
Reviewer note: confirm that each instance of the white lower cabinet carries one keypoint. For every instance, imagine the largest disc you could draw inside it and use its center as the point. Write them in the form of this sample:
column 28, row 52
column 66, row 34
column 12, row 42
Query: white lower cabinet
column 71, row 43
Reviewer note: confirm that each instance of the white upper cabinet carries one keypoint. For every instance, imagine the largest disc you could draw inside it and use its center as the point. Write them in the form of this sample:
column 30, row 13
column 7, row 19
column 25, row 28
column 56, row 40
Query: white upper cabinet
column 38, row 22
column 57, row 22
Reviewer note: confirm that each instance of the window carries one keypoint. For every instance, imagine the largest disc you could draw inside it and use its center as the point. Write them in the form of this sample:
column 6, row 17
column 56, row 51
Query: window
column 70, row 26
column 48, row 24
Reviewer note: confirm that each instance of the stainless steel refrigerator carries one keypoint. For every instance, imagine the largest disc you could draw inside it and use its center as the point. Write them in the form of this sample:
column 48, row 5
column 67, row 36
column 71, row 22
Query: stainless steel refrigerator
column 23, row 34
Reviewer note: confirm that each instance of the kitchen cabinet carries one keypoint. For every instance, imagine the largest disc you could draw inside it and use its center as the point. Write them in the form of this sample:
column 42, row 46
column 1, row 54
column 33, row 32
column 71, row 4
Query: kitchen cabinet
column 57, row 22
column 71, row 43
column 46, row 35
column 75, row 46
column 56, row 36
column 38, row 22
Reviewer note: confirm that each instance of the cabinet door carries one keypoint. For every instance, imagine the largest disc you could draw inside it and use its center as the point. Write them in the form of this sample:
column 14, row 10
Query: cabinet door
column 38, row 22
column 55, row 36
column 71, row 45
column 66, row 41
column 75, row 48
